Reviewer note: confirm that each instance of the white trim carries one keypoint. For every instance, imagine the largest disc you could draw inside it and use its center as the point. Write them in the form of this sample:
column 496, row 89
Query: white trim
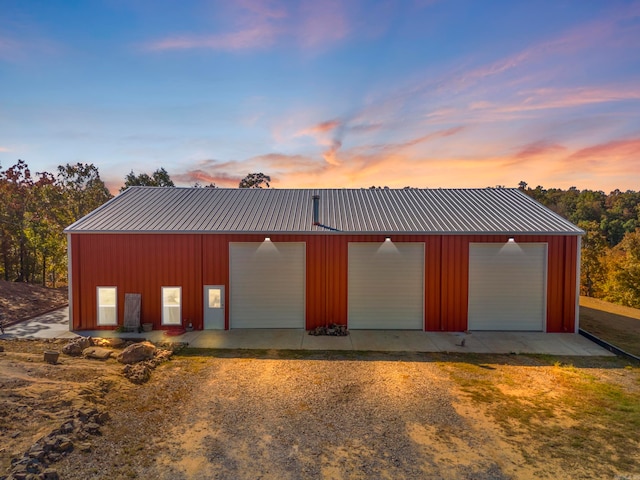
column 545, row 320
column 162, row 305
column 69, row 282
column 578, row 272
column 98, row 306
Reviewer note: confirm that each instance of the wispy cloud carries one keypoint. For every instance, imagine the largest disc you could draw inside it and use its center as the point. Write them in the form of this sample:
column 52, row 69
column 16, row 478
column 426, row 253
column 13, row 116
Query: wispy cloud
column 203, row 177
column 617, row 149
column 258, row 25
column 555, row 98
column 538, row 148
column 261, row 36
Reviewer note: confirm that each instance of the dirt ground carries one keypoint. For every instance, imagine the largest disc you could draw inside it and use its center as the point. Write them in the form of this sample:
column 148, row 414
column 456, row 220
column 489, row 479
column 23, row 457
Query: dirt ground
column 291, row 415
column 19, row 301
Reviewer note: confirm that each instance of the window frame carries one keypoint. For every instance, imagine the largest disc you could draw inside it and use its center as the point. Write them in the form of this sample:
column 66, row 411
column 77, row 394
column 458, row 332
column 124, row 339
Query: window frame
column 99, row 321
column 163, row 306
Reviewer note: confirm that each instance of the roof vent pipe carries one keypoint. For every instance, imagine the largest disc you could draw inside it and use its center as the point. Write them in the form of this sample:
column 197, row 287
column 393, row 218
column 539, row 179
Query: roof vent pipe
column 316, row 209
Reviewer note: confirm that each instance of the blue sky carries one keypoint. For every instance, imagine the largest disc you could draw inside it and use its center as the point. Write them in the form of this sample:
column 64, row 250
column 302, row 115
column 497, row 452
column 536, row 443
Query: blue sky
column 326, row 93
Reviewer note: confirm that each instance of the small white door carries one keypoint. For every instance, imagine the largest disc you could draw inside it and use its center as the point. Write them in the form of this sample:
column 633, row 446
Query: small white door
column 214, row 307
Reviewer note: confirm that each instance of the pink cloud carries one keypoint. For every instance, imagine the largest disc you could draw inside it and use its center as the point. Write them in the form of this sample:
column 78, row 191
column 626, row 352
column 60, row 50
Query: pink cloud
column 331, row 154
column 542, row 99
column 603, row 166
column 204, row 178
column 322, row 127
column 259, row 25
column 321, row 23
column 617, row 149
column 536, row 149
column 261, row 36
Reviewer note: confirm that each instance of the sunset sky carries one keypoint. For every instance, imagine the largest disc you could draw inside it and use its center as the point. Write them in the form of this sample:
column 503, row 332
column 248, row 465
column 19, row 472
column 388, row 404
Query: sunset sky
column 351, row 93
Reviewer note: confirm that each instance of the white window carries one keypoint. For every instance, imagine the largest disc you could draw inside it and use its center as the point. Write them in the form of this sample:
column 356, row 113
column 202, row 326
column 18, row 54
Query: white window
column 171, row 305
column 107, row 306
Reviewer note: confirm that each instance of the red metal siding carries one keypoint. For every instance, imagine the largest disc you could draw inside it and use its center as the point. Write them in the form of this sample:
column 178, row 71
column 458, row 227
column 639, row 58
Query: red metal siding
column 136, row 264
column 143, row 263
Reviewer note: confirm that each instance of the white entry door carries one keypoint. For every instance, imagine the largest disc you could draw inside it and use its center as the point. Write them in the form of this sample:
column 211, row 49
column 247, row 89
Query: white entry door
column 214, row 307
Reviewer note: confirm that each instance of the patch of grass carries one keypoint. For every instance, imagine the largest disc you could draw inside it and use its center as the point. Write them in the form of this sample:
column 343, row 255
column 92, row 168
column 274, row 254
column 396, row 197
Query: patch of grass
column 612, row 323
column 576, row 417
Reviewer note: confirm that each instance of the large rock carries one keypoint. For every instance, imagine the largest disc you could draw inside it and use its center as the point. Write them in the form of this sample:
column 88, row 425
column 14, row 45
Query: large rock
column 97, row 352
column 137, row 352
column 77, row 346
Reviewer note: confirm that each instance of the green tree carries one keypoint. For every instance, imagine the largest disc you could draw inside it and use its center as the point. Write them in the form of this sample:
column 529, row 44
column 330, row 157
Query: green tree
column 255, row 180
column 44, row 229
column 83, row 189
column 592, row 269
column 15, row 189
column 623, row 281
column 159, row 178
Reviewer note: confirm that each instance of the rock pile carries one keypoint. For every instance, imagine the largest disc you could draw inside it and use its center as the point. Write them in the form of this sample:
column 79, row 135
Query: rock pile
column 138, row 355
column 75, row 432
column 140, row 359
column 333, row 329
column 76, row 346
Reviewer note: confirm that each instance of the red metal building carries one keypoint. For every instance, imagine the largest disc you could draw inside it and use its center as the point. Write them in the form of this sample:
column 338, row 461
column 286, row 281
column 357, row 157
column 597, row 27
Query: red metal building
column 436, row 260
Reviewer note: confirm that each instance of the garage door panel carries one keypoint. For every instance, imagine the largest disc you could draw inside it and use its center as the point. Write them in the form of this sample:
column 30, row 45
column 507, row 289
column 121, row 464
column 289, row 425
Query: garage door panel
column 507, row 286
column 267, row 285
column 386, row 286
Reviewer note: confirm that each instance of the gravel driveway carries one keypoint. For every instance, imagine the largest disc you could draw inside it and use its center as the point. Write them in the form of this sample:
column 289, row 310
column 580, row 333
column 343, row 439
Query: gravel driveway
column 266, row 418
column 316, row 418
column 285, row 415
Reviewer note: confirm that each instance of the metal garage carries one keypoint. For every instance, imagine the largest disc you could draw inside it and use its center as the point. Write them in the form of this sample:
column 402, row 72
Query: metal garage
column 267, row 285
column 327, row 260
column 386, row 286
column 507, row 286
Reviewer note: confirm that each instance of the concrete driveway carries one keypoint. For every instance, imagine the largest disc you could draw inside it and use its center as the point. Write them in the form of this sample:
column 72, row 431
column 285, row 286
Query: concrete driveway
column 56, row 325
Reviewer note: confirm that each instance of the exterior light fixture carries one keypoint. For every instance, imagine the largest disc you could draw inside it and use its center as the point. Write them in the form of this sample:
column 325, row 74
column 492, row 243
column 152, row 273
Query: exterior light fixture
column 512, row 240
column 387, row 239
column 267, row 239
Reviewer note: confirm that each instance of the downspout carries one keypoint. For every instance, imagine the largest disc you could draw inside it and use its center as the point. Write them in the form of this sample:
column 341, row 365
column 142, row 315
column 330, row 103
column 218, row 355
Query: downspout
column 578, row 261
column 69, row 282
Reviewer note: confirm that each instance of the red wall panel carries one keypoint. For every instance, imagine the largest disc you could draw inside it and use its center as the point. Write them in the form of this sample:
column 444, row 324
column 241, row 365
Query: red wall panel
column 143, row 263
column 135, row 264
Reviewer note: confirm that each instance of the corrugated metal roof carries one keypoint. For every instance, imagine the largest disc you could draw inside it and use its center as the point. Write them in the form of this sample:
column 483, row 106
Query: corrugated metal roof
column 410, row 210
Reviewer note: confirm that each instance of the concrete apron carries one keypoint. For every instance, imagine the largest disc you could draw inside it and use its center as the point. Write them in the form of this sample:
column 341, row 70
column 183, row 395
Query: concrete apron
column 55, row 325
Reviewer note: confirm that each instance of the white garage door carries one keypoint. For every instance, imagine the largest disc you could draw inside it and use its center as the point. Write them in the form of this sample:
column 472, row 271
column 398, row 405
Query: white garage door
column 386, row 286
column 507, row 286
column 267, row 285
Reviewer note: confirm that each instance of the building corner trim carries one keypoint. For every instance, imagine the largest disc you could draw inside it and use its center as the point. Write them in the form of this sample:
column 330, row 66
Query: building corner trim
column 70, row 282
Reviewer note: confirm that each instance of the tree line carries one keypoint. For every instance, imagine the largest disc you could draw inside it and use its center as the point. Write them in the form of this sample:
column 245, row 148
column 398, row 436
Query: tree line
column 610, row 256
column 34, row 209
